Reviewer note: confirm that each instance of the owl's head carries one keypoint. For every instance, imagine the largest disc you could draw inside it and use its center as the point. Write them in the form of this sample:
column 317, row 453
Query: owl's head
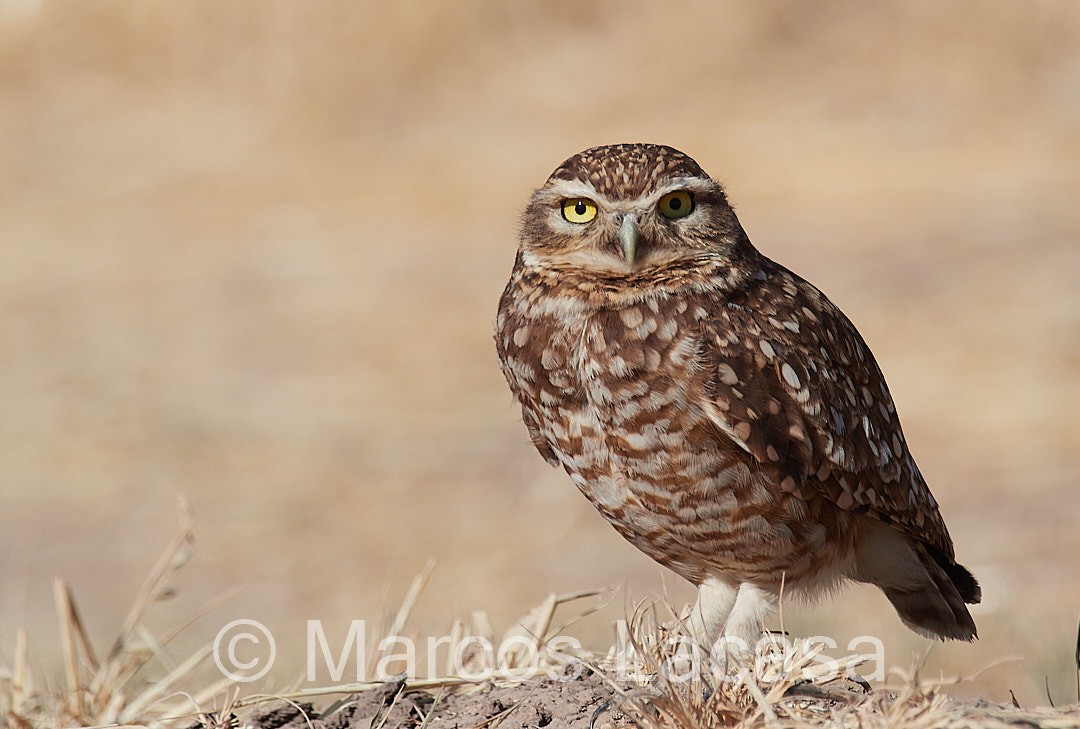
column 628, row 208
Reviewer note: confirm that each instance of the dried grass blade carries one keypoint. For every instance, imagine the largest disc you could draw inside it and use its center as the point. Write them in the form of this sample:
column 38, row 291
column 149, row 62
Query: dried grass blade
column 21, row 681
column 482, row 625
column 158, row 689
column 154, row 647
column 763, row 703
column 411, row 598
column 544, row 618
column 457, row 634
column 65, row 616
column 198, row 614
column 171, row 561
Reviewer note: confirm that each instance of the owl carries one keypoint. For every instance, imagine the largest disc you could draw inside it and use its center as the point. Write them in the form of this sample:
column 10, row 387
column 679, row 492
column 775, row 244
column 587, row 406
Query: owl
column 717, row 409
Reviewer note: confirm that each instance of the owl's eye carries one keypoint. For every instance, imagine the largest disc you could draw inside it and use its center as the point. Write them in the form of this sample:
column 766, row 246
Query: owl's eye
column 578, row 209
column 676, row 204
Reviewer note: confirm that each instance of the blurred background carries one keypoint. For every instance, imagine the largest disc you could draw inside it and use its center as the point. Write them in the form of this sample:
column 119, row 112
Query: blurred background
column 251, row 253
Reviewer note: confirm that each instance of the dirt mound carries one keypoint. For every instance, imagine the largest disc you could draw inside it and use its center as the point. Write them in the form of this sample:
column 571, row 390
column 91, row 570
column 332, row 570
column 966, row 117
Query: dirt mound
column 539, row 703
column 589, row 700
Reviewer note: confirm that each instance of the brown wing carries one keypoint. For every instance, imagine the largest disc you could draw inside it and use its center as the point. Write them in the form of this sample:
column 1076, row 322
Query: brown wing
column 520, row 361
column 793, row 382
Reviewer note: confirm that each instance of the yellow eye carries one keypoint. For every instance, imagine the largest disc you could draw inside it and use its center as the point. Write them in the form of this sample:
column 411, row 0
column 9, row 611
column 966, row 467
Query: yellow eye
column 578, row 209
column 677, row 204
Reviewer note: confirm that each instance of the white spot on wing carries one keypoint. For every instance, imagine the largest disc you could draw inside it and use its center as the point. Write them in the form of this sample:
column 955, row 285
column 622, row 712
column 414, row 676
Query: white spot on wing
column 718, row 420
column 790, row 377
column 727, row 374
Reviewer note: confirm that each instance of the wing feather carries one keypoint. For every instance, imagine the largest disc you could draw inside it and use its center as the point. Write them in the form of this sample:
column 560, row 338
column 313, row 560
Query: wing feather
column 791, row 381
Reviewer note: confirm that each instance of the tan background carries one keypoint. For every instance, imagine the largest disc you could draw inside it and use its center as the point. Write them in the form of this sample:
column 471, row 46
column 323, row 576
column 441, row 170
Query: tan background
column 251, row 253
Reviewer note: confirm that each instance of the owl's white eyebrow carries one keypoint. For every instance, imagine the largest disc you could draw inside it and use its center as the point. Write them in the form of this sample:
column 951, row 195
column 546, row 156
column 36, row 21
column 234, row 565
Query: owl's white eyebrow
column 693, row 184
column 576, row 188
column 580, row 188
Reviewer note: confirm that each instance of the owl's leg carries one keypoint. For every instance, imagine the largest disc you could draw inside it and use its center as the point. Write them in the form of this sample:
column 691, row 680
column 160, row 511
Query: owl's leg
column 753, row 606
column 743, row 629
column 727, row 620
column 715, row 601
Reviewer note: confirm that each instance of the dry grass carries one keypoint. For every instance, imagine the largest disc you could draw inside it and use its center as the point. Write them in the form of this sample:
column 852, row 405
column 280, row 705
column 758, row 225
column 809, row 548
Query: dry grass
column 115, row 689
column 138, row 683
column 793, row 683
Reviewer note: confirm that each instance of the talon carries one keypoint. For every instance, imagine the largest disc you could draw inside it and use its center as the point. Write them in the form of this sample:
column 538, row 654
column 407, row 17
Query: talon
column 604, row 706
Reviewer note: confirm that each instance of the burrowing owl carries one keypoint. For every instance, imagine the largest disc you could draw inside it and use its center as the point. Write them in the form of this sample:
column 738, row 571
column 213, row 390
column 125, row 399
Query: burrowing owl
column 718, row 410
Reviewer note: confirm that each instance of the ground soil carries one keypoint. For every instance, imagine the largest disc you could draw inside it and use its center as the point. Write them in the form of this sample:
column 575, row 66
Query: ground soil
column 539, row 703
column 590, row 701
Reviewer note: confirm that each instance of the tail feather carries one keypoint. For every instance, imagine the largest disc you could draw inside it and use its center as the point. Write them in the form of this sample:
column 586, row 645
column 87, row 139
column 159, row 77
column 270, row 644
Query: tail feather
column 937, row 610
column 928, row 590
column 962, row 579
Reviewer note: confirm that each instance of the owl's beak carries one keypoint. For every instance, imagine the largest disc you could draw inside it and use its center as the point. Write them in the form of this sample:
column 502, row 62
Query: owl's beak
column 628, row 236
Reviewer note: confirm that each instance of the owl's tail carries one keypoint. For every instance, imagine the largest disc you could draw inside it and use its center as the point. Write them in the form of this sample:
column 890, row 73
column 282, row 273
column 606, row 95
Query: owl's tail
column 928, row 590
column 937, row 610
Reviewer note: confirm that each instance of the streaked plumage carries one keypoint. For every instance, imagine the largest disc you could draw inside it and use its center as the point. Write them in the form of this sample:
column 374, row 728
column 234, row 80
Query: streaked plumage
column 718, row 410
